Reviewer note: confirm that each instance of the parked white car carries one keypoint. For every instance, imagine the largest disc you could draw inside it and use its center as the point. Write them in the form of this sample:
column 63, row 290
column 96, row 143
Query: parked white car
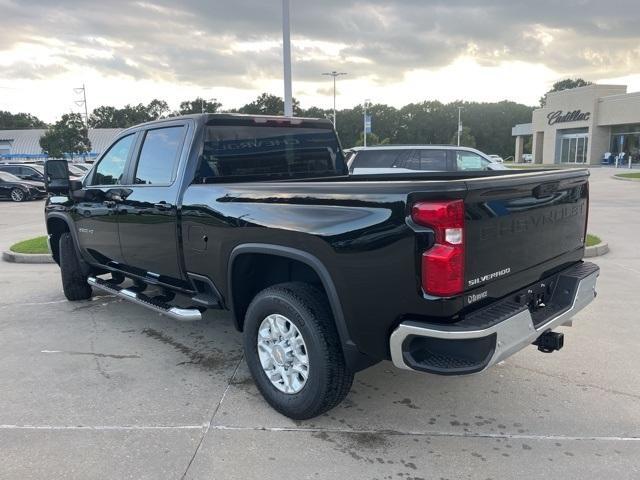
column 496, row 158
column 527, row 157
column 421, row 158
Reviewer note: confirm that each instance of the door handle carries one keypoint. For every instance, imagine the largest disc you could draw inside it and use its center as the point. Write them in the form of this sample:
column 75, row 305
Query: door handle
column 163, row 206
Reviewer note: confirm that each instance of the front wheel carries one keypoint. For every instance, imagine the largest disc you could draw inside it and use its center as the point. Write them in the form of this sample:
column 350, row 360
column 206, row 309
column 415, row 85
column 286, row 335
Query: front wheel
column 74, row 281
column 293, row 351
column 18, row 195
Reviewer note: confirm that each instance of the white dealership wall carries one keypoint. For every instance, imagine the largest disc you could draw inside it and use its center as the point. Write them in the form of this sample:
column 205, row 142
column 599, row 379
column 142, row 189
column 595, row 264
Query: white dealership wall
column 594, row 109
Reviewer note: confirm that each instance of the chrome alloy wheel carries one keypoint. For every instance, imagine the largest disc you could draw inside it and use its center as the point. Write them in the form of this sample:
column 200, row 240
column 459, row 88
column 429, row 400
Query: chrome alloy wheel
column 17, row 195
column 283, row 354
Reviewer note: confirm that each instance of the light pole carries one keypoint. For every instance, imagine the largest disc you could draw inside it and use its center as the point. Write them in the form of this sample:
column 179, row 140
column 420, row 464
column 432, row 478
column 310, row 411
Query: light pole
column 286, row 57
column 459, row 124
column 367, row 103
column 335, row 75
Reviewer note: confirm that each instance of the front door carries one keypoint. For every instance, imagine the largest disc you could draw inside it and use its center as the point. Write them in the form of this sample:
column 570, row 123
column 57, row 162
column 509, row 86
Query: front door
column 96, row 213
column 148, row 215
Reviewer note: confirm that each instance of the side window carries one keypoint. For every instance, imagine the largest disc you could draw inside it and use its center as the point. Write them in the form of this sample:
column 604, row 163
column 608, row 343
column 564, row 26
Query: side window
column 159, row 156
column 433, row 160
column 376, row 159
column 409, row 159
column 111, row 167
column 470, row 161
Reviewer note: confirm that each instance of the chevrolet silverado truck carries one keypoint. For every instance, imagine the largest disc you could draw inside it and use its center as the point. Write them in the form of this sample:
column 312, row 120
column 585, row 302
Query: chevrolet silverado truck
column 324, row 273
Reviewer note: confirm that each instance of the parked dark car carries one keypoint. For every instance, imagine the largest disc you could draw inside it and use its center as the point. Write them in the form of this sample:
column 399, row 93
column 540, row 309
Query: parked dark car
column 30, row 172
column 19, row 190
column 34, row 172
column 325, row 273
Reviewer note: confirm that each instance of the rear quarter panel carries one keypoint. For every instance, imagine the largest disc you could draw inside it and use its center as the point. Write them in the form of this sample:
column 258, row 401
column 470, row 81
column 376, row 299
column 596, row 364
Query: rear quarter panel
column 358, row 231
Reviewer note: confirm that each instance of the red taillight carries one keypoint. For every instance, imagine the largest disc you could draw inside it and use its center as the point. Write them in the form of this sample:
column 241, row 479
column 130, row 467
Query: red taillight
column 442, row 264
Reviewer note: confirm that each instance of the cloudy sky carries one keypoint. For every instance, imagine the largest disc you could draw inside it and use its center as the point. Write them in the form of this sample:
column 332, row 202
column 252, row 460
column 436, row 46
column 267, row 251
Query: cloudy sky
column 395, row 52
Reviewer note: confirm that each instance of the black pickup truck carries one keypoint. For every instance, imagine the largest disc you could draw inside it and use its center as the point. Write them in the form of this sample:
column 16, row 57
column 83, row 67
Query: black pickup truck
column 324, row 273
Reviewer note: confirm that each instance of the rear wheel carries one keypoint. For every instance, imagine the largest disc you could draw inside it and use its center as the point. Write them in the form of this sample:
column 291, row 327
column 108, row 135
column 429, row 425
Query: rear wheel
column 74, row 281
column 293, row 351
column 18, row 195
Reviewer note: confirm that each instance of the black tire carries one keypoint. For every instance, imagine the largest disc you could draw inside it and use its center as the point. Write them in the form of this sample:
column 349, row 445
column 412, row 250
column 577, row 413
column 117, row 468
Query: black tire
column 74, row 281
column 329, row 378
column 18, row 195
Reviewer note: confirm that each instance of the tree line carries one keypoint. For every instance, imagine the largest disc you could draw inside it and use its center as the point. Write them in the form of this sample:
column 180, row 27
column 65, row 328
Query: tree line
column 486, row 126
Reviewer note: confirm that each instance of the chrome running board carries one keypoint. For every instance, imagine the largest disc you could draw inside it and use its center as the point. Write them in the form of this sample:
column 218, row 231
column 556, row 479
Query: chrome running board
column 180, row 314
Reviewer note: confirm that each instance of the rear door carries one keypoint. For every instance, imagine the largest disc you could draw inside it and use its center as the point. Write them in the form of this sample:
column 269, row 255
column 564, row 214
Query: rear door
column 148, row 213
column 529, row 225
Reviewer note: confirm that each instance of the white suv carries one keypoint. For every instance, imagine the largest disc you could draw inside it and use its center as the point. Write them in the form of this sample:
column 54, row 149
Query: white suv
column 412, row 158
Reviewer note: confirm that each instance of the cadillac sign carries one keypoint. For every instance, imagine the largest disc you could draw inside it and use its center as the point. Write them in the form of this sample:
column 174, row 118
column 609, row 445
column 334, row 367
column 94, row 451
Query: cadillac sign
column 560, row 117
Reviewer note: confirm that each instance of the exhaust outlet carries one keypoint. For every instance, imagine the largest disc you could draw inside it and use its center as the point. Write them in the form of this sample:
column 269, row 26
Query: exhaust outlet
column 550, row 341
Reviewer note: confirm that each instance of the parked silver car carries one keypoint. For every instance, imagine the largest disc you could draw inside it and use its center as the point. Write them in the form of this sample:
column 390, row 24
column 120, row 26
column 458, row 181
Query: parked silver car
column 412, row 158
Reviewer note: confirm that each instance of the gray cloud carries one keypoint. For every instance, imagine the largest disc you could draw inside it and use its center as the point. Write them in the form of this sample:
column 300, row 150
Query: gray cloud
column 191, row 41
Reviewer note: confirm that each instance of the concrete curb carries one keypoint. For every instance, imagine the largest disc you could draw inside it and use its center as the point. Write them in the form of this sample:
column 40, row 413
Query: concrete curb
column 615, row 177
column 14, row 257
column 596, row 250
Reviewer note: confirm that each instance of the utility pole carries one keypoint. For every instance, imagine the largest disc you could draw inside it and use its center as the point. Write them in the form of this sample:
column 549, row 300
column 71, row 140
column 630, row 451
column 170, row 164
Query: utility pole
column 83, row 103
column 367, row 103
column 459, row 124
column 286, row 57
column 335, row 75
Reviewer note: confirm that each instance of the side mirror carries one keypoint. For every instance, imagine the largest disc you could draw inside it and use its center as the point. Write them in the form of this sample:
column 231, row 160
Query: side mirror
column 56, row 177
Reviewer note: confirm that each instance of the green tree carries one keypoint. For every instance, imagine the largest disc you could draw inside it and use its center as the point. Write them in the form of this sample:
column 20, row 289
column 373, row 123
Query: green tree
column 566, row 84
column 466, row 138
column 10, row 121
column 67, row 136
column 372, row 139
column 199, row 105
column 129, row 115
column 315, row 112
column 267, row 104
column 157, row 109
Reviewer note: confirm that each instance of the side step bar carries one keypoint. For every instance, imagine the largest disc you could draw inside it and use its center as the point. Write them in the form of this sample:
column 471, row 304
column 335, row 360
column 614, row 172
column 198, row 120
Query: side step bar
column 180, row 314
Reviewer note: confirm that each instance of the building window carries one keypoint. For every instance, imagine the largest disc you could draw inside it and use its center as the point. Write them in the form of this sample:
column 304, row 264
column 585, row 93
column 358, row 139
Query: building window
column 626, row 139
column 5, row 147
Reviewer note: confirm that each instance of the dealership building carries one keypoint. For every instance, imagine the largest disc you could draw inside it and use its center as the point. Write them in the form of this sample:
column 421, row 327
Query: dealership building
column 24, row 145
column 583, row 126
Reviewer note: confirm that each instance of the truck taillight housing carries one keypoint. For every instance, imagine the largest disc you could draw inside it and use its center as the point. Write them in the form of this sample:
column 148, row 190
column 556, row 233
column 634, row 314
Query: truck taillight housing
column 443, row 264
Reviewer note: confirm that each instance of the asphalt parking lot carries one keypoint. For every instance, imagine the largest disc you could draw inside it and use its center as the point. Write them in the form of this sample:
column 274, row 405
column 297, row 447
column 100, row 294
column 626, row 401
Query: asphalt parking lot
column 106, row 389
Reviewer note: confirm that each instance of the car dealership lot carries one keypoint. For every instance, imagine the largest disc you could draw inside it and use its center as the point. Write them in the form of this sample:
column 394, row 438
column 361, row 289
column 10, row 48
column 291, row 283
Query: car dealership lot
column 106, row 389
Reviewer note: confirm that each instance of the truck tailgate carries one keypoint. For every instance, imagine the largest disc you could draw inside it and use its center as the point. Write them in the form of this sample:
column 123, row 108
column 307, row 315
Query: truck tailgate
column 519, row 222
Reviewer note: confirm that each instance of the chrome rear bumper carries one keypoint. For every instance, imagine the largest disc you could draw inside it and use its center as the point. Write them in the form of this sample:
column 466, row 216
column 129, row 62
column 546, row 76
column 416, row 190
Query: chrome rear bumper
column 462, row 349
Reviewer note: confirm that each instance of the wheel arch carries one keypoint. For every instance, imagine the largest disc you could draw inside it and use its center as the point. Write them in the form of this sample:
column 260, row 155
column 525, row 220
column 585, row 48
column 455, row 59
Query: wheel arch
column 56, row 226
column 239, row 296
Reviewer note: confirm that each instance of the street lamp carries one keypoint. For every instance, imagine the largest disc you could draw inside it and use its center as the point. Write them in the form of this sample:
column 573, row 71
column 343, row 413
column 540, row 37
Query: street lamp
column 459, row 124
column 367, row 103
column 286, row 57
column 335, row 75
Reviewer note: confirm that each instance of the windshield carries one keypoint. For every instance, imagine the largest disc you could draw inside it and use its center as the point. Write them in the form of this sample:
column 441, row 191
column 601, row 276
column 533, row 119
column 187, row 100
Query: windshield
column 7, row 177
column 243, row 152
